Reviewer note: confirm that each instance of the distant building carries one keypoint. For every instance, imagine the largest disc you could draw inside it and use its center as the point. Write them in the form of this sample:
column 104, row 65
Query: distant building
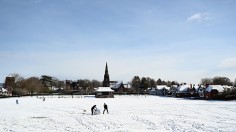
column 106, row 80
column 199, row 91
column 68, row 85
column 213, row 90
column 119, row 88
column 183, row 91
column 153, row 91
column 72, row 87
column 1, row 85
column 3, row 92
column 9, row 84
column 1, row 89
column 104, row 92
column 162, row 90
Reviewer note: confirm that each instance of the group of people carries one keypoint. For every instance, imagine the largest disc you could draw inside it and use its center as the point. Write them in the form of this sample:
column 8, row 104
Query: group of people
column 94, row 108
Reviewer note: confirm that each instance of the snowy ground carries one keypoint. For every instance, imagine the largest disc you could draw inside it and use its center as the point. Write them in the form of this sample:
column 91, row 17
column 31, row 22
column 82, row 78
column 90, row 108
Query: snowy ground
column 127, row 113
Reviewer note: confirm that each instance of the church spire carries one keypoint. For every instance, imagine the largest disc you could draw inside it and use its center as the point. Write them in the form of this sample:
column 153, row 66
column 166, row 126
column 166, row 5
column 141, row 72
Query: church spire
column 106, row 70
column 106, row 81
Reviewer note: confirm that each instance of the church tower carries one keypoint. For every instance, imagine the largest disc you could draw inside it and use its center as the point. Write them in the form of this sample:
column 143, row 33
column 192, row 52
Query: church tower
column 106, row 81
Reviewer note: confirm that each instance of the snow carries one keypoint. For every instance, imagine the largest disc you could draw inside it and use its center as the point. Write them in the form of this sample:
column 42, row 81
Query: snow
column 183, row 87
column 116, row 86
column 104, row 89
column 217, row 87
column 3, row 90
column 127, row 113
column 162, row 87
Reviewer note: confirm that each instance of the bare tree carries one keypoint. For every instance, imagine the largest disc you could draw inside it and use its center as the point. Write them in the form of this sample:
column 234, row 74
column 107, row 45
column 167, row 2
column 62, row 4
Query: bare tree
column 96, row 83
column 33, row 85
column 222, row 81
column 17, row 87
column 206, row 81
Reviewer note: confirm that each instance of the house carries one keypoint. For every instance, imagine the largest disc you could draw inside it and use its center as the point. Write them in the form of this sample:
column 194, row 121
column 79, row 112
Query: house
column 152, row 91
column 3, row 92
column 119, row 88
column 104, row 92
column 199, row 91
column 213, row 90
column 228, row 88
column 72, row 85
column 128, row 88
column 56, row 90
column 128, row 85
column 173, row 90
column 162, row 90
column 183, row 91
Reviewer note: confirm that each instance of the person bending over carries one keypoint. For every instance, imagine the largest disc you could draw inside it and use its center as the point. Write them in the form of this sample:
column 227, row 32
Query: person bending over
column 93, row 109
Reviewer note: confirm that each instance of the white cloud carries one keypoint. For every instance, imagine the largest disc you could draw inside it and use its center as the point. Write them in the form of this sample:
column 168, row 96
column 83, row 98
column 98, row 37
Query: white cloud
column 228, row 63
column 198, row 17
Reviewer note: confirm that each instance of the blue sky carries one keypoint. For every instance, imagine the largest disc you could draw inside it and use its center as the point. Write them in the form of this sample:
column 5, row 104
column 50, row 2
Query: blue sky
column 181, row 40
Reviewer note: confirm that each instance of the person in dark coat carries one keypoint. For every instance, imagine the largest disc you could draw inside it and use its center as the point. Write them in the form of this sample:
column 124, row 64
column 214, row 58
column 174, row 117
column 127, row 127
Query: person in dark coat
column 93, row 108
column 105, row 108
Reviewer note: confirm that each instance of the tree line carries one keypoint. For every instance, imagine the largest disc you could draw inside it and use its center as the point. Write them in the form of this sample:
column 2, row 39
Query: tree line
column 48, row 84
column 218, row 81
column 45, row 84
column 142, row 84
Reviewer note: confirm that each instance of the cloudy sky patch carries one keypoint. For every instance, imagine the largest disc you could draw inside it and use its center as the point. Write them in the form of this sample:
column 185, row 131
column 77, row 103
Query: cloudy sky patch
column 198, row 17
column 228, row 63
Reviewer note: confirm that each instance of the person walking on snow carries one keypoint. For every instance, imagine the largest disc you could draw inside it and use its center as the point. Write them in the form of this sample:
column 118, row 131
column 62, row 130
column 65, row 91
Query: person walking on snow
column 93, row 109
column 105, row 108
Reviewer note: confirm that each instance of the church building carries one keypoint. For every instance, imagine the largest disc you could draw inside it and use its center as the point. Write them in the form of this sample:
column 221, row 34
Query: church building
column 105, row 91
column 106, row 80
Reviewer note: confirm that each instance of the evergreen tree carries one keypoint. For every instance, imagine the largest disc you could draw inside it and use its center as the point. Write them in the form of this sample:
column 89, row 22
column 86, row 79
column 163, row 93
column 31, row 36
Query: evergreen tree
column 136, row 83
column 159, row 82
column 144, row 84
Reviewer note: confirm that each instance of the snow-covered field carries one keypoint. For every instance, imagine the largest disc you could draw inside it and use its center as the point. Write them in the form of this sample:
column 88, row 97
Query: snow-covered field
column 127, row 113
